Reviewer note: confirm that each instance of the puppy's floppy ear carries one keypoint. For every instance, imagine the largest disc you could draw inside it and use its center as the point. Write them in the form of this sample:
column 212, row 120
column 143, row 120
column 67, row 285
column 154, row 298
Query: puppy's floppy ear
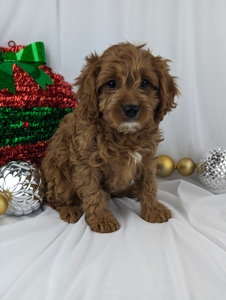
column 87, row 92
column 167, row 88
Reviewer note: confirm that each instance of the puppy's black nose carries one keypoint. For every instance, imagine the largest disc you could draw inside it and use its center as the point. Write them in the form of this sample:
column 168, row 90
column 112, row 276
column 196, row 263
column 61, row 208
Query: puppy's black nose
column 131, row 110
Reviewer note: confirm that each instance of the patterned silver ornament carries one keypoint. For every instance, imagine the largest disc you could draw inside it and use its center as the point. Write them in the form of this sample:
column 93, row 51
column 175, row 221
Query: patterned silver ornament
column 21, row 184
column 211, row 169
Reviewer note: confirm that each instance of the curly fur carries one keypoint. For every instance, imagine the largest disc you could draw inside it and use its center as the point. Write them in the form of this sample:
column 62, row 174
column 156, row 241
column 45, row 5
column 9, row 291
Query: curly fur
column 100, row 150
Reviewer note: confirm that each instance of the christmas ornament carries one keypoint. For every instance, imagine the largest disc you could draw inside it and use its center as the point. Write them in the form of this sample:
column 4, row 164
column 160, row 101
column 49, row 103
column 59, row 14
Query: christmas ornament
column 185, row 166
column 165, row 166
column 211, row 169
column 20, row 188
column 33, row 100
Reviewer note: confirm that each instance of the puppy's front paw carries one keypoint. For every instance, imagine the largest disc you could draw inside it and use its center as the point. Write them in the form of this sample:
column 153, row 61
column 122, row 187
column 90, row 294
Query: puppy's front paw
column 70, row 214
column 157, row 214
column 103, row 223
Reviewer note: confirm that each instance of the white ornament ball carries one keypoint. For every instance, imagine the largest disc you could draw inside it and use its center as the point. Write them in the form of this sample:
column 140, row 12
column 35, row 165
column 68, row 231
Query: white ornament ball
column 211, row 169
column 20, row 188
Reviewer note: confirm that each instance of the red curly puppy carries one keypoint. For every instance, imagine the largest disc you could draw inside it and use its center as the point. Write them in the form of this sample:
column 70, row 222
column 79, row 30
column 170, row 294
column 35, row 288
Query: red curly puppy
column 106, row 147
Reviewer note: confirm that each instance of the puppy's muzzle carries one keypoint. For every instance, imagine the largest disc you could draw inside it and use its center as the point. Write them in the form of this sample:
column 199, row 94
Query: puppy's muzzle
column 131, row 111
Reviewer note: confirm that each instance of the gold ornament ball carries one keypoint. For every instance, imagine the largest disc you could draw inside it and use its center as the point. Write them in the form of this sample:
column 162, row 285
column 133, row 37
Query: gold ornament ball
column 185, row 166
column 164, row 165
column 3, row 203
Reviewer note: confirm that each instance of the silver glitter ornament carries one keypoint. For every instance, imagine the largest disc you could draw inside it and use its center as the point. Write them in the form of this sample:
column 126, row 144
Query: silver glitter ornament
column 20, row 188
column 211, row 169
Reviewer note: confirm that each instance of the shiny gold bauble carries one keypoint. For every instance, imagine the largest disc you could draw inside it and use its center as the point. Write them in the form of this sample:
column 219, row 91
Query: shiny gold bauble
column 3, row 203
column 164, row 166
column 185, row 166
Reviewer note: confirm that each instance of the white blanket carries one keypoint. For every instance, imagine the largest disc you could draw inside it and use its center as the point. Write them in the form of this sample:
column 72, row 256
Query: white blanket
column 43, row 257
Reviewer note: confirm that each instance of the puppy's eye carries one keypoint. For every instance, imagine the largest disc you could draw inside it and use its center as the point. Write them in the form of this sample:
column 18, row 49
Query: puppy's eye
column 144, row 83
column 111, row 84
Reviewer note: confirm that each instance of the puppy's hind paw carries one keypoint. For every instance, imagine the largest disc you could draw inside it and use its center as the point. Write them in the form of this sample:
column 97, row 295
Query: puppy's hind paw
column 103, row 223
column 70, row 214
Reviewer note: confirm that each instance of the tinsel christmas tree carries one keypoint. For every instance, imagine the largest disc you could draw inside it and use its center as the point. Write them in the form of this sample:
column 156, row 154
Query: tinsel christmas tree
column 33, row 100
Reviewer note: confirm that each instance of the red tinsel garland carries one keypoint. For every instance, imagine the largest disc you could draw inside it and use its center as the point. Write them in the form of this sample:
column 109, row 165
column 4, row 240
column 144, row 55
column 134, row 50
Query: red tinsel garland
column 29, row 152
column 29, row 93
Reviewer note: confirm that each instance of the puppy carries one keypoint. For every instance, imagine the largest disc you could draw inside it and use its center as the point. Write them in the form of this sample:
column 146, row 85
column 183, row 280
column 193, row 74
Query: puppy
column 106, row 147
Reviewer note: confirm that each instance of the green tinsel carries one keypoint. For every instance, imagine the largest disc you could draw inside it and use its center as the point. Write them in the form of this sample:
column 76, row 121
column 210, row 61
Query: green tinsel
column 29, row 125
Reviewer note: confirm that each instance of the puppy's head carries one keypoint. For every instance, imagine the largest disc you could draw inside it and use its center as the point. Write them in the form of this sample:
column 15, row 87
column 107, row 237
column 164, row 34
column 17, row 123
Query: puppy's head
column 126, row 86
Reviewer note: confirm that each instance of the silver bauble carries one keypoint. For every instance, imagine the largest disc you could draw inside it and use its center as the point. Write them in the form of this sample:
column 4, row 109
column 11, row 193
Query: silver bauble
column 21, row 183
column 211, row 169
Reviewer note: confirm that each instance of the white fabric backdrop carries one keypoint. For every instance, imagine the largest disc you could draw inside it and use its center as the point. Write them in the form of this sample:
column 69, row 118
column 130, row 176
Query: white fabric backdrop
column 42, row 257
column 190, row 33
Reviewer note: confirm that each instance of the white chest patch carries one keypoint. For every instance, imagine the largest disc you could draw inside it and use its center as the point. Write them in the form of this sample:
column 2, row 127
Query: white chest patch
column 135, row 157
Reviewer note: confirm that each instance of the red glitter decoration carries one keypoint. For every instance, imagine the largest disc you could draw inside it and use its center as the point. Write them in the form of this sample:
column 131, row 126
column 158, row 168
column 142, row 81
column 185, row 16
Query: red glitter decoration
column 25, row 124
column 30, row 95
column 28, row 152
